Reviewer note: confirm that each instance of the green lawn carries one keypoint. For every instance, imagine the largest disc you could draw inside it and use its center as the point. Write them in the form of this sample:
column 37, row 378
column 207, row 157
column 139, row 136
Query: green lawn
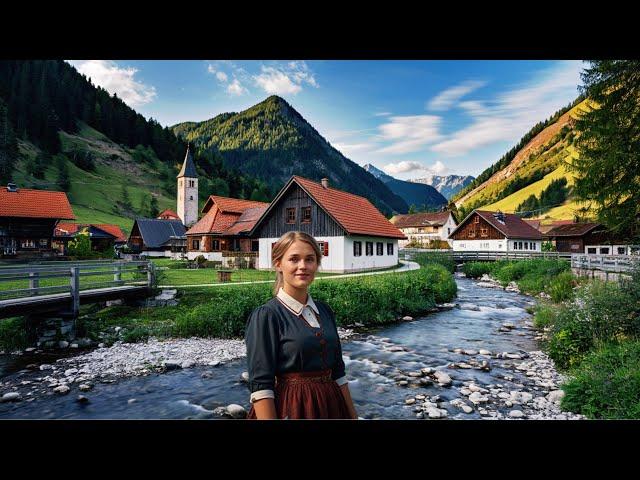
column 210, row 275
column 91, row 281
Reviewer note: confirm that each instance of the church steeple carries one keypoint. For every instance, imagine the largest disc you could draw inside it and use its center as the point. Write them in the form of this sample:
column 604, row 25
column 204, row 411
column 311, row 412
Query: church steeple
column 188, row 191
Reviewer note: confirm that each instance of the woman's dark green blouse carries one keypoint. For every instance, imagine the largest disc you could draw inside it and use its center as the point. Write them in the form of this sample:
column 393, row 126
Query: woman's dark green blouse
column 279, row 342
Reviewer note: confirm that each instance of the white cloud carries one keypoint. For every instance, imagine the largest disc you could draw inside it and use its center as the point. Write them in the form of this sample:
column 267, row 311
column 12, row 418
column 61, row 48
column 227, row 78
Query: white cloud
column 235, row 88
column 511, row 114
column 382, row 114
column 211, row 69
column 410, row 133
column 402, row 167
column 115, row 79
column 285, row 79
column 446, row 99
column 222, row 76
column 438, row 168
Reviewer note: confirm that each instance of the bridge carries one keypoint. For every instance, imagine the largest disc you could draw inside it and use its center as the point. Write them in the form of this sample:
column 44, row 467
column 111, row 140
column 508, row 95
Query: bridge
column 480, row 256
column 61, row 287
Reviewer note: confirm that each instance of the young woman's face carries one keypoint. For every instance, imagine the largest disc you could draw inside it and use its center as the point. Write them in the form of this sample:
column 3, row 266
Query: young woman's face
column 298, row 265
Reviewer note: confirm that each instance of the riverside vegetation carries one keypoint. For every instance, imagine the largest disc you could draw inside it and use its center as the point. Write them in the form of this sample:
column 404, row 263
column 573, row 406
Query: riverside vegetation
column 222, row 312
column 591, row 331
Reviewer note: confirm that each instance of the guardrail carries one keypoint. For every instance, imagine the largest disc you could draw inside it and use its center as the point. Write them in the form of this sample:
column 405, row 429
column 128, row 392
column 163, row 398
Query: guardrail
column 72, row 277
column 605, row 263
column 480, row 255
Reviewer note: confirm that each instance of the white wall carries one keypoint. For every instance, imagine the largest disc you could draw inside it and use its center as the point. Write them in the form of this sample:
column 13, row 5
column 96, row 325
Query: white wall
column 613, row 249
column 449, row 226
column 187, row 209
column 340, row 258
column 208, row 255
column 502, row 245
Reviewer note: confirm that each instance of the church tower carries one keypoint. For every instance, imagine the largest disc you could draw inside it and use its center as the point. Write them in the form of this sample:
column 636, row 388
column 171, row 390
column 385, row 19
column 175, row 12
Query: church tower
column 188, row 191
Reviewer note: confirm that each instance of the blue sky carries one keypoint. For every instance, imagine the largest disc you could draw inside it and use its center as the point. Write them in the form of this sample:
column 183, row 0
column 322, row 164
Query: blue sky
column 408, row 118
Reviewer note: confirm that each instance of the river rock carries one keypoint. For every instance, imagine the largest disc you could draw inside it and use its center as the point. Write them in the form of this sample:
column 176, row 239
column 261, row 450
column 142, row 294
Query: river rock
column 474, row 388
column 396, row 348
column 410, row 401
column 470, row 352
column 84, row 387
column 407, row 318
column 469, row 306
column 415, row 374
column 245, row 376
column 63, row 344
column 516, row 414
column 485, row 365
column 403, row 383
column 457, row 350
column 465, row 391
column 425, row 381
column 513, row 356
column 188, row 364
column 420, row 415
column 442, row 378
column 484, row 352
column 82, row 399
column 555, row 396
column 220, row 411
column 433, row 412
column 236, row 411
column 71, row 371
column 62, row 389
column 171, row 365
column 466, row 408
column 477, row 397
column 520, row 397
column 10, row 397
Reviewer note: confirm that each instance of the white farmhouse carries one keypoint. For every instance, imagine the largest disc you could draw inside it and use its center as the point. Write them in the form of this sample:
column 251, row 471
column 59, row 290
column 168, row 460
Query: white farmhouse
column 352, row 233
column 424, row 227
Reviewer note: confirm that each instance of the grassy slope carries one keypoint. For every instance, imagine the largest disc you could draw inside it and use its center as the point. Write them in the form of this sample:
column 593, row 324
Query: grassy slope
column 93, row 194
column 550, row 154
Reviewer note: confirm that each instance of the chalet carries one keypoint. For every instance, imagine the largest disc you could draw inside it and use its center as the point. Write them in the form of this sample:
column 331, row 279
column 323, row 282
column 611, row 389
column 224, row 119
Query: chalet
column 424, row 227
column 495, row 232
column 225, row 228
column 353, row 235
column 589, row 238
column 168, row 214
column 28, row 219
column 158, row 238
column 102, row 235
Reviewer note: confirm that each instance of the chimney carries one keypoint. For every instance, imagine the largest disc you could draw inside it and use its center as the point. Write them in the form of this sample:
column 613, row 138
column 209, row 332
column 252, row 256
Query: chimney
column 325, row 182
column 12, row 187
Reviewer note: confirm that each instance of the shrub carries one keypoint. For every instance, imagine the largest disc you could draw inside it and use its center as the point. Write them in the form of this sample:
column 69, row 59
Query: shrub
column 561, row 287
column 441, row 258
column 477, row 269
column 607, row 383
column 544, row 315
column 135, row 334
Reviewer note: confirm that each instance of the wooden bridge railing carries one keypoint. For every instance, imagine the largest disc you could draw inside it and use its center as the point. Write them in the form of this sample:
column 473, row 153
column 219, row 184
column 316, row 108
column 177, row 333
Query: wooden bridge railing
column 605, row 263
column 480, row 255
column 72, row 277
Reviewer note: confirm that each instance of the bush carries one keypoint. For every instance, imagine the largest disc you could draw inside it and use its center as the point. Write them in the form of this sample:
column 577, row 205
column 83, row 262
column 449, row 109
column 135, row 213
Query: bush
column 561, row 287
column 135, row 334
column 544, row 315
column 441, row 258
column 607, row 383
column 477, row 269
column 13, row 334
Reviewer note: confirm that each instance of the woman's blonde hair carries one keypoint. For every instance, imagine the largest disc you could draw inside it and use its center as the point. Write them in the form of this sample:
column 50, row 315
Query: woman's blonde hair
column 281, row 247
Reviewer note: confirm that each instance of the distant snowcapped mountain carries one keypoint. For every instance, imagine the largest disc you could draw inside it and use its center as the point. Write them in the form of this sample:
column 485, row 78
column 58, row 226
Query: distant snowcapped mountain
column 447, row 185
column 420, row 196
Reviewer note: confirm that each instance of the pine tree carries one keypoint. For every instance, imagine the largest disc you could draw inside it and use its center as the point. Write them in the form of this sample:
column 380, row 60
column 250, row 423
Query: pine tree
column 64, row 179
column 608, row 143
column 8, row 145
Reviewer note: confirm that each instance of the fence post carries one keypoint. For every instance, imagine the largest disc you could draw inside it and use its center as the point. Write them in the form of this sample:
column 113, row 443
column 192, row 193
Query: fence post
column 151, row 275
column 117, row 272
column 75, row 290
column 34, row 282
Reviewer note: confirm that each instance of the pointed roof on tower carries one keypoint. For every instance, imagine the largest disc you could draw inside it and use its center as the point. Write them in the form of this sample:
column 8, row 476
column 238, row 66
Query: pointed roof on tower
column 188, row 167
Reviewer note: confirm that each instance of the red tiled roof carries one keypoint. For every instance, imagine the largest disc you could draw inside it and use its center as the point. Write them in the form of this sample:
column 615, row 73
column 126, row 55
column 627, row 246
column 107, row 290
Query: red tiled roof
column 112, row 230
column 64, row 229
column 354, row 213
column 436, row 219
column 231, row 205
column 228, row 216
column 534, row 223
column 513, row 226
column 35, row 204
column 168, row 213
column 571, row 230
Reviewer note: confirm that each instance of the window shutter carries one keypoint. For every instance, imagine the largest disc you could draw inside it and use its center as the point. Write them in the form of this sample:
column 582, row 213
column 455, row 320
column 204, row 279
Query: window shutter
column 326, row 249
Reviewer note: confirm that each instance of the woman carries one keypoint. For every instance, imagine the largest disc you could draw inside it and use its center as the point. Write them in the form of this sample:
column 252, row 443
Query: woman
column 293, row 349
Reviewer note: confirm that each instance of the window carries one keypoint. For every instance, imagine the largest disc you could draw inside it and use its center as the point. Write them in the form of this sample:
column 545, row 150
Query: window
column 43, row 242
column 369, row 249
column 519, row 245
column 195, row 244
column 448, row 231
column 27, row 243
column 526, row 245
column 192, row 183
column 306, row 214
column 591, row 251
column 621, row 250
column 291, row 215
column 604, row 250
column 471, row 234
column 379, row 248
column 190, row 197
column 357, row 249
column 215, row 245
column 255, row 246
column 515, row 245
column 389, row 248
column 324, row 248
column 476, row 220
column 484, row 232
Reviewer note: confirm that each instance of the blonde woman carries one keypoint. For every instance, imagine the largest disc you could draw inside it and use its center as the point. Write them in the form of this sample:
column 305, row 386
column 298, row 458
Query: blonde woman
column 293, row 350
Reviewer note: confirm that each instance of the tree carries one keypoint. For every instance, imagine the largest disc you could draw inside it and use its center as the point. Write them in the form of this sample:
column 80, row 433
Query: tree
column 64, row 179
column 608, row 143
column 126, row 200
column 153, row 207
column 80, row 246
column 8, row 145
column 412, row 208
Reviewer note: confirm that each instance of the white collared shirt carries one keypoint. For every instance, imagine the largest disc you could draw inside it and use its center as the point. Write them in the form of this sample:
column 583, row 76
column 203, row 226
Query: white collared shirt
column 307, row 311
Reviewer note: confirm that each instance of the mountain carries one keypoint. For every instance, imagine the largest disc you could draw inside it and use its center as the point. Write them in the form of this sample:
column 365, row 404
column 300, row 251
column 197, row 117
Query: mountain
column 272, row 141
column 534, row 178
column 60, row 132
column 447, row 185
column 419, row 195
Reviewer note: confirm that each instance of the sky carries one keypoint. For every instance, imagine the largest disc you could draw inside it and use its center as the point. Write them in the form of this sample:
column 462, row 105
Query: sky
column 407, row 118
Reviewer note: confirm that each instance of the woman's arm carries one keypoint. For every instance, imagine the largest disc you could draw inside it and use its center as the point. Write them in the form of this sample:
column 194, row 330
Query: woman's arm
column 265, row 409
column 346, row 393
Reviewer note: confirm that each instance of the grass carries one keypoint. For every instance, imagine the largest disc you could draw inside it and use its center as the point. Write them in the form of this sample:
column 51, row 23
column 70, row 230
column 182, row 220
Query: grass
column 93, row 281
column 209, row 275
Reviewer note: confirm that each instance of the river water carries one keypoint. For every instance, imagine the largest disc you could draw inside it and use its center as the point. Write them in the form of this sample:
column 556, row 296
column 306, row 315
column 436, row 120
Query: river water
column 376, row 360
